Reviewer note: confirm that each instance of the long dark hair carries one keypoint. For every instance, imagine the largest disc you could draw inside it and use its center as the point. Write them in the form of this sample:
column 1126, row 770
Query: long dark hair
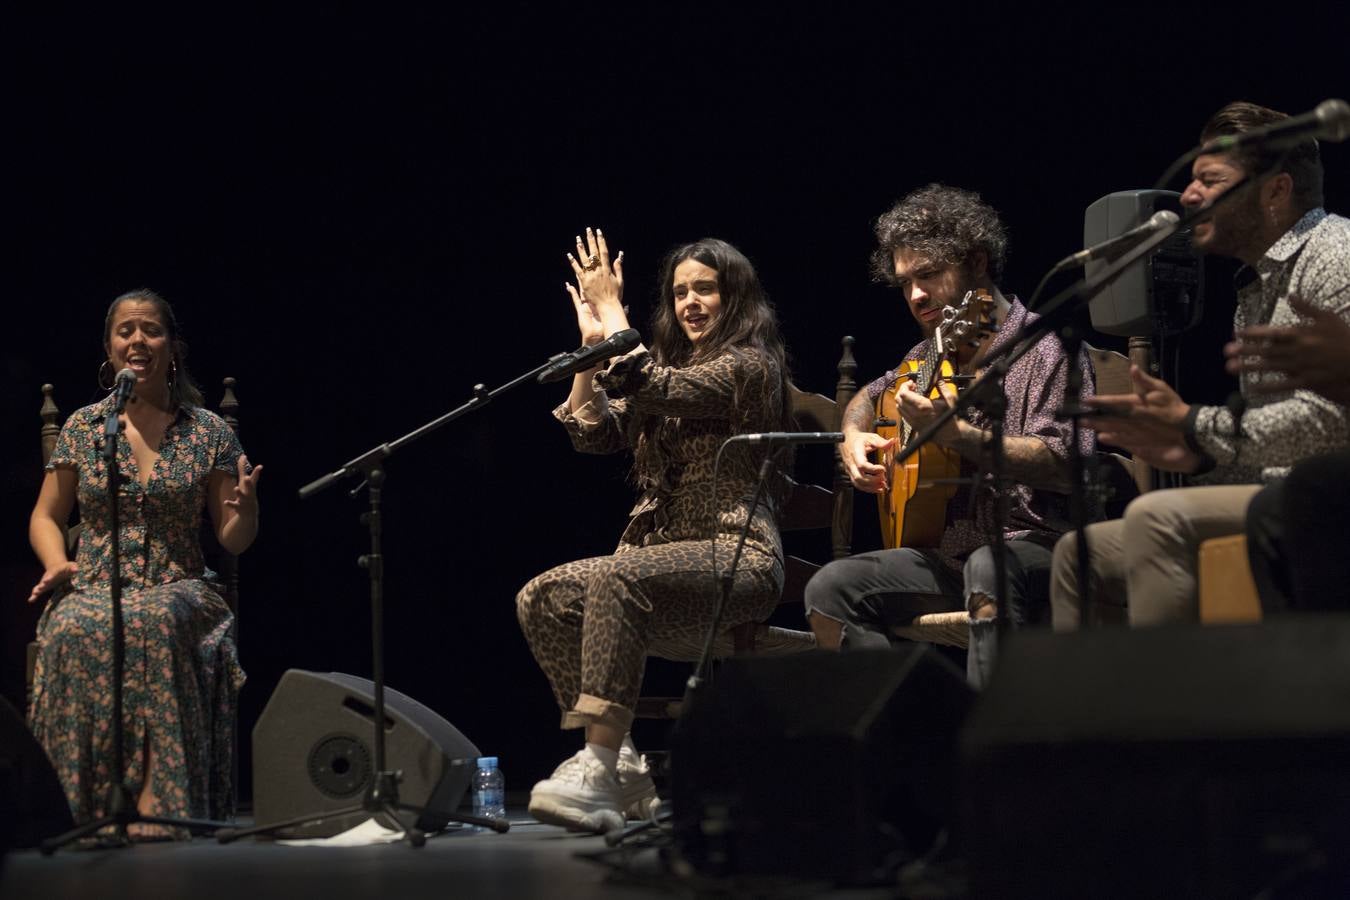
column 746, row 320
column 182, row 390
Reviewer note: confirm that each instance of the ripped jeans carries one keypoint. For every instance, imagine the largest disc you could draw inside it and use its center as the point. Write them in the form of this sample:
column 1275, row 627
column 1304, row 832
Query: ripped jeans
column 871, row 593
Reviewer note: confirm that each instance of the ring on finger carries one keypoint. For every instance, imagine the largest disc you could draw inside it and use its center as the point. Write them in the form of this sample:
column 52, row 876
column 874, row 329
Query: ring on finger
column 592, row 263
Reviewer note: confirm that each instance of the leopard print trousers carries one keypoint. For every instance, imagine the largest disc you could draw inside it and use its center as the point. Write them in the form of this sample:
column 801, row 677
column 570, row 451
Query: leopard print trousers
column 591, row 623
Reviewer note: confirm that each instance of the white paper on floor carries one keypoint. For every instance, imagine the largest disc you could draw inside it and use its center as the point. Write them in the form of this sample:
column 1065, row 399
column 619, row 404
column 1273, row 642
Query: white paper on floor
column 368, row 832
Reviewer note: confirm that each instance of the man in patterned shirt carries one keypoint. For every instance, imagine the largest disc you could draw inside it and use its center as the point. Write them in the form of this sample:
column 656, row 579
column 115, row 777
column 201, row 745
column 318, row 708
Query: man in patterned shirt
column 935, row 245
column 1291, row 248
column 1298, row 527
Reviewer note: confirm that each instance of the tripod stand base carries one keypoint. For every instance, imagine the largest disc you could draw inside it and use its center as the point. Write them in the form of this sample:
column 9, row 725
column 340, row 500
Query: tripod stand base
column 621, row 835
column 385, row 811
column 120, row 837
column 380, row 800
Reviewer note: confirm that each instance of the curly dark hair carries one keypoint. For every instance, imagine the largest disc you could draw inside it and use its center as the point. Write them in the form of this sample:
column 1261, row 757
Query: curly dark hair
column 1303, row 161
column 946, row 224
column 747, row 320
column 182, row 390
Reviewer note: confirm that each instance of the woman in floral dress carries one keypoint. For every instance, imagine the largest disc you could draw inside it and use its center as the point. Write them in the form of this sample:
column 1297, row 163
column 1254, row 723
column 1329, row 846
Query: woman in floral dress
column 181, row 674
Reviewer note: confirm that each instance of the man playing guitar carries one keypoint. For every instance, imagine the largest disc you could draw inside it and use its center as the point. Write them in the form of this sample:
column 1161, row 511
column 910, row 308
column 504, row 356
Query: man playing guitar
column 938, row 245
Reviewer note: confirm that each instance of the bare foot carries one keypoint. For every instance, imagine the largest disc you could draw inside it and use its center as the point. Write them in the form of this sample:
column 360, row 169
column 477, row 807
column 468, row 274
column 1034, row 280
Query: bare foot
column 147, row 831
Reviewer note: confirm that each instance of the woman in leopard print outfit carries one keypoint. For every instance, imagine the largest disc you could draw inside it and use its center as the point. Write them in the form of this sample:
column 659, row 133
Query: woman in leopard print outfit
column 716, row 368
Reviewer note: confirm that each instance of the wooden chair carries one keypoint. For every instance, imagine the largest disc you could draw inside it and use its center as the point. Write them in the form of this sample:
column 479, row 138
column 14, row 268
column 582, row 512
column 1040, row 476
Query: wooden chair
column 810, row 507
column 226, row 565
column 813, row 507
column 1227, row 591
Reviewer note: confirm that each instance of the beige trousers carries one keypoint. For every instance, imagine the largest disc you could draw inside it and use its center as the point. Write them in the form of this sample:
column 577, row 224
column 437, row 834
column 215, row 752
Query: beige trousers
column 1143, row 566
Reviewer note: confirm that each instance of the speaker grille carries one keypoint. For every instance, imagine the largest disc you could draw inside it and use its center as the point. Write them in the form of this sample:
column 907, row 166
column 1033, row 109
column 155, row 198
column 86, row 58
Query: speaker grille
column 339, row 766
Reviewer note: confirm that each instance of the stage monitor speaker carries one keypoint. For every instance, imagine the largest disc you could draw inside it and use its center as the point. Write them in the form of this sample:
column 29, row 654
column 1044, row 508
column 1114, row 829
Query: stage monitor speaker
column 32, row 805
column 313, row 751
column 818, row 765
column 1161, row 294
column 1182, row 761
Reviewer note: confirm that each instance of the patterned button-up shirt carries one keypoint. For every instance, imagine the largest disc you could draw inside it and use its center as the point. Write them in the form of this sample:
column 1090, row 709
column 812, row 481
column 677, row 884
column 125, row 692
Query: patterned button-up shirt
column 1035, row 387
column 1312, row 261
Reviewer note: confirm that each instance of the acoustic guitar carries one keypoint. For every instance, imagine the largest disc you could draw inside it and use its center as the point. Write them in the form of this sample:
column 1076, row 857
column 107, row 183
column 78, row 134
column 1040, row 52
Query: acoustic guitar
column 914, row 506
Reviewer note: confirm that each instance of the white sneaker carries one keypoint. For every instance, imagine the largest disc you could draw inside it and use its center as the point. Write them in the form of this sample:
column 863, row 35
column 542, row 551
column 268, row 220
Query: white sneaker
column 581, row 795
column 638, row 791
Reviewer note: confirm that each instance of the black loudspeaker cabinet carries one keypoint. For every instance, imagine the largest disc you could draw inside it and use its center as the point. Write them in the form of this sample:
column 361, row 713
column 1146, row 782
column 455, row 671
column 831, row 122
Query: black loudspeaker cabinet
column 1161, row 293
column 1183, row 761
column 313, row 751
column 818, row 765
column 32, row 805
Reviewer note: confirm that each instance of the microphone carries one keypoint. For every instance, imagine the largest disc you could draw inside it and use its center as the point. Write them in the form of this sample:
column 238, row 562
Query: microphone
column 126, row 382
column 788, row 437
column 583, row 358
column 1124, row 242
column 1330, row 121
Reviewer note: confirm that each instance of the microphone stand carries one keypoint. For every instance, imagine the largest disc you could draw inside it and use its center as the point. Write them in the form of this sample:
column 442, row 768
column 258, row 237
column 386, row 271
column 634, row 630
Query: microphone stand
column 120, row 810
column 700, row 672
column 697, row 678
column 381, row 797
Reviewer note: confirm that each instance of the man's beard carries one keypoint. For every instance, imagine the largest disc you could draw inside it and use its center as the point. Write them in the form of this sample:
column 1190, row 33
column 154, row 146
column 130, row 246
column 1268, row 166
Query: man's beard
column 928, row 329
column 1235, row 227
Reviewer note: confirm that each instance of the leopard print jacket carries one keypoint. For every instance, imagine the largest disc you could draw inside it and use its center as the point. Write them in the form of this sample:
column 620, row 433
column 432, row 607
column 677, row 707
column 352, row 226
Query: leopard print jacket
column 699, row 406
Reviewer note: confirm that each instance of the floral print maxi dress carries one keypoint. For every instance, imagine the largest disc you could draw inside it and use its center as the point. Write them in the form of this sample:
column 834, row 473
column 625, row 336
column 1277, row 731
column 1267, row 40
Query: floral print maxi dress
column 181, row 675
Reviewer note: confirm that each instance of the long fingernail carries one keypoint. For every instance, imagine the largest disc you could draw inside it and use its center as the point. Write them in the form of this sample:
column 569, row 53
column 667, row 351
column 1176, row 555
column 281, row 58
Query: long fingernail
column 598, row 232
column 620, row 256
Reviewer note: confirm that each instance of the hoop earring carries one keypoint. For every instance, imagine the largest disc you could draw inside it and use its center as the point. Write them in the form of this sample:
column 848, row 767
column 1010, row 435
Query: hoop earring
column 112, row 376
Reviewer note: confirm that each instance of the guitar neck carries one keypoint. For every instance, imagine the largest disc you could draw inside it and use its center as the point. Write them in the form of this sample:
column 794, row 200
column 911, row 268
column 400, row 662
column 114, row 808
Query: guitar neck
column 928, row 369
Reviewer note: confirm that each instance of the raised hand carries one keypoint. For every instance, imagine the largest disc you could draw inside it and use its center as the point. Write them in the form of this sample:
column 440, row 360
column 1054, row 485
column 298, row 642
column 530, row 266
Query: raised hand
column 52, row 579
column 588, row 320
column 1313, row 356
column 244, row 499
column 600, row 281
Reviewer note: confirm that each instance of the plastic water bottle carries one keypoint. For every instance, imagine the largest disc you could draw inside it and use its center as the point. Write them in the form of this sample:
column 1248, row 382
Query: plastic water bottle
column 489, row 789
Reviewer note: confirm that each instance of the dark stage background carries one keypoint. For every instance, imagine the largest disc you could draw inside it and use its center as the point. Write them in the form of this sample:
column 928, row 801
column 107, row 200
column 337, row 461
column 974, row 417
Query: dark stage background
column 362, row 214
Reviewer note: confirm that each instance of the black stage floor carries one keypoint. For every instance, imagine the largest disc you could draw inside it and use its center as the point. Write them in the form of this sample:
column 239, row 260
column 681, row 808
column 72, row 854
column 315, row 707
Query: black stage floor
column 529, row 861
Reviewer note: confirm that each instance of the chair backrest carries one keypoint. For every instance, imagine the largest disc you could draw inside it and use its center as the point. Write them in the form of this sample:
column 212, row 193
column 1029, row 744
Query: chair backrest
column 51, row 428
column 1123, row 477
column 816, row 506
column 227, row 564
